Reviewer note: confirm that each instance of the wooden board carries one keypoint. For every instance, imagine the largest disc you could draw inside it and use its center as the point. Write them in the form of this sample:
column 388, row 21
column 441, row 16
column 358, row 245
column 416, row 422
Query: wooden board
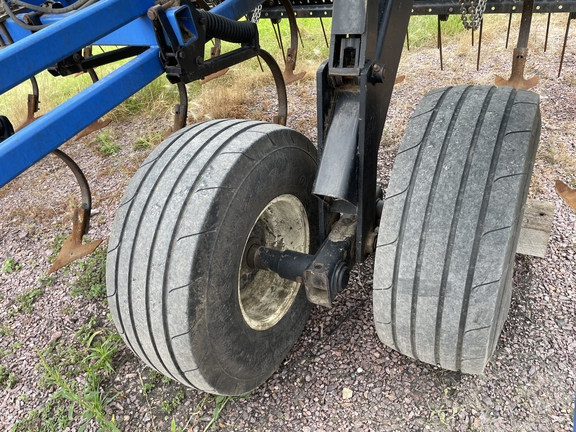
column 536, row 228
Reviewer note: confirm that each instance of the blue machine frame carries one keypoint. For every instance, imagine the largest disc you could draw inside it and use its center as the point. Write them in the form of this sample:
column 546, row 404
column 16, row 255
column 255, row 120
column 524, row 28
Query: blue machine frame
column 107, row 22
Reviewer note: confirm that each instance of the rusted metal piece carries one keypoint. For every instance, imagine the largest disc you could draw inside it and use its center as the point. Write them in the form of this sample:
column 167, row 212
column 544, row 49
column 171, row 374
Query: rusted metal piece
column 407, row 40
column 571, row 16
column 517, row 79
column 73, row 249
column 292, row 54
column 508, row 31
column 180, row 111
column 547, row 32
column 324, row 33
column 440, row 43
column 479, row 45
column 33, row 101
column 215, row 52
column 289, row 75
column 282, row 114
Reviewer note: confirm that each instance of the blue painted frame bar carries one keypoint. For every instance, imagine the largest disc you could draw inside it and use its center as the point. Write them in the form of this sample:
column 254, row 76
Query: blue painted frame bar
column 42, row 49
column 46, row 134
column 235, row 9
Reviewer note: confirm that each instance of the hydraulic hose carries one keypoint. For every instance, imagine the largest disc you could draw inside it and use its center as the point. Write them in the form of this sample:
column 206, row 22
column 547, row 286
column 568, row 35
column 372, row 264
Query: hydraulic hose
column 228, row 30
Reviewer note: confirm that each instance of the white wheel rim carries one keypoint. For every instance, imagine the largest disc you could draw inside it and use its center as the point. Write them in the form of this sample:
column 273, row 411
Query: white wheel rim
column 264, row 296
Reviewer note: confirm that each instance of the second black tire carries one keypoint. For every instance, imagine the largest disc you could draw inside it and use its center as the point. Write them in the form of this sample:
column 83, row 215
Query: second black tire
column 450, row 224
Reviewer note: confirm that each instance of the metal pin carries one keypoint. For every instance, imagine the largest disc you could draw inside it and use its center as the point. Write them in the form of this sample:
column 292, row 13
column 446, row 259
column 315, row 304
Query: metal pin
column 479, row 44
column 407, row 39
column 547, row 31
column 280, row 41
column 300, row 36
column 440, row 44
column 571, row 16
column 324, row 32
column 508, row 32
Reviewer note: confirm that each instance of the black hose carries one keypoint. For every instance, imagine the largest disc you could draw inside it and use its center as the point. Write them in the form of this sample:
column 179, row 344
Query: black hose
column 228, row 30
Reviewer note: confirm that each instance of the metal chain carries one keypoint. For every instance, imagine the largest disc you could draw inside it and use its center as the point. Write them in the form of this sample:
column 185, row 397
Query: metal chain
column 476, row 14
column 256, row 14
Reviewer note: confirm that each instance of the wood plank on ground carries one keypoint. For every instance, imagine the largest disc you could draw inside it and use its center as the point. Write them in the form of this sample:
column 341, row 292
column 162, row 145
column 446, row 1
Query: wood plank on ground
column 536, row 228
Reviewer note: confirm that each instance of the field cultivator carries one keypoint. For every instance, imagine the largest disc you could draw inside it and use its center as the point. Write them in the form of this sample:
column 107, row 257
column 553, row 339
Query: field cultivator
column 232, row 229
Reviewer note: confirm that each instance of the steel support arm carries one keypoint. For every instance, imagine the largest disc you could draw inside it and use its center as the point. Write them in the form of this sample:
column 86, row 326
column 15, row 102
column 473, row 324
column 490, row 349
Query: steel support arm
column 46, row 134
column 367, row 40
column 35, row 53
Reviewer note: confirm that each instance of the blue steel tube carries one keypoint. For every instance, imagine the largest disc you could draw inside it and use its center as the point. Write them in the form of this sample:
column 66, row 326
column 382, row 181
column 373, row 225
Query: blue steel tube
column 46, row 134
column 40, row 50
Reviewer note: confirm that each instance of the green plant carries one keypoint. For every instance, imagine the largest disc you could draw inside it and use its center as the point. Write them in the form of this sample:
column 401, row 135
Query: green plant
column 25, row 301
column 90, row 356
column 5, row 330
column 91, row 276
column 10, row 266
column 102, row 352
column 16, row 345
column 146, row 142
column 7, row 378
column 90, row 400
column 53, row 417
column 445, row 415
column 221, row 402
column 170, row 405
column 107, row 147
column 47, row 280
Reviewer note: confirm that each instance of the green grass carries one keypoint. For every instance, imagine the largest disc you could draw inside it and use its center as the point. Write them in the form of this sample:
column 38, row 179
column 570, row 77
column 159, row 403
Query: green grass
column 90, row 355
column 105, row 144
column 10, row 266
column 169, row 405
column 25, row 301
column 7, row 378
column 5, row 330
column 91, row 275
column 423, row 29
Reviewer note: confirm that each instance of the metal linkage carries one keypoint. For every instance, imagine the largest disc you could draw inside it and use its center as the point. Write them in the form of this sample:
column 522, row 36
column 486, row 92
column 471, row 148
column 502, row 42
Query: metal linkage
column 324, row 274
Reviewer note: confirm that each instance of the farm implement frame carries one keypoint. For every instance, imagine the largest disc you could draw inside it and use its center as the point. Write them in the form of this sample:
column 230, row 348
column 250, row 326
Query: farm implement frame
column 232, row 229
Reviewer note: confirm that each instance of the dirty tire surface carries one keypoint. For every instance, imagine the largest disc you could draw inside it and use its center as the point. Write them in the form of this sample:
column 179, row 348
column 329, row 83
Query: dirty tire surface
column 450, row 224
column 177, row 244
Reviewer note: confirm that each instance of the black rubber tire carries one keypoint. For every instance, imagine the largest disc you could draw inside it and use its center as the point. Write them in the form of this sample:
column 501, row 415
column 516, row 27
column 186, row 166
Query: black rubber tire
column 176, row 250
column 450, row 224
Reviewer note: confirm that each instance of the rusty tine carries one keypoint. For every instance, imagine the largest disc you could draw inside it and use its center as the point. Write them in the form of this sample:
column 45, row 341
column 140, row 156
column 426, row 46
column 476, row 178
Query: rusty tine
column 508, row 32
column 275, row 34
column 479, row 44
column 571, row 16
column 440, row 43
column 407, row 40
column 324, row 32
column 281, row 42
column 547, row 31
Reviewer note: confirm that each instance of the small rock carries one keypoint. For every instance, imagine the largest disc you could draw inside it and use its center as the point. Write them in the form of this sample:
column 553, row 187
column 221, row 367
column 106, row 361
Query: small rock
column 55, row 336
column 347, row 393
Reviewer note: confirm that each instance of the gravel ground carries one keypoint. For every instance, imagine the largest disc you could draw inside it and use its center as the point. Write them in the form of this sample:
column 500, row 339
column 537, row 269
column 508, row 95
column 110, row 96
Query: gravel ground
column 338, row 376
